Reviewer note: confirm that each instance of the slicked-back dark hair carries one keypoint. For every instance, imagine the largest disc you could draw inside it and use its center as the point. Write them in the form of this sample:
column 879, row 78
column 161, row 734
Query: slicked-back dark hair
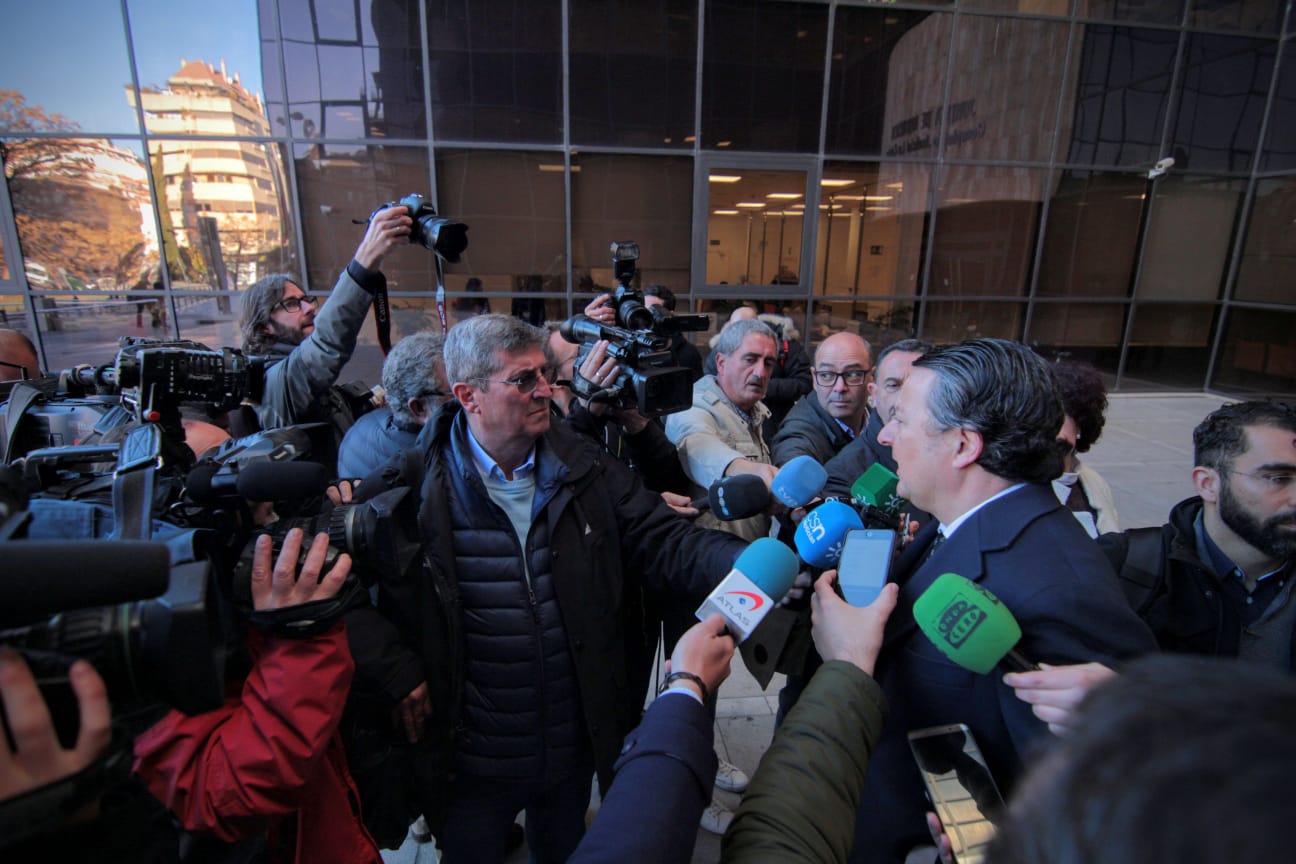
column 1222, row 435
column 1084, row 399
column 1005, row 392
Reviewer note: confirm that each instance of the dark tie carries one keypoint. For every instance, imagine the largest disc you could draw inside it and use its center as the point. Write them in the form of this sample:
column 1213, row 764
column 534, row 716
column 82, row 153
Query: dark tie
column 1077, row 501
column 931, row 549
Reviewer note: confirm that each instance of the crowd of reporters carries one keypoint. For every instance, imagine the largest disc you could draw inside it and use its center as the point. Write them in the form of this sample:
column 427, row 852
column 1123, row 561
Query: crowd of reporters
column 544, row 529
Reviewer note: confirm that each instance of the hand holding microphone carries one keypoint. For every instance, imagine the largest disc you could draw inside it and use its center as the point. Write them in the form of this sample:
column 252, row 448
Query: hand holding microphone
column 798, row 482
column 970, row 625
column 737, row 496
column 759, row 579
column 703, row 651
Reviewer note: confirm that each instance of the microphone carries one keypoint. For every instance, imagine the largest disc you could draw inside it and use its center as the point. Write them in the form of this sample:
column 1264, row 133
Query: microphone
column 760, row 578
column 970, row 625
column 822, row 533
column 736, row 497
column 54, row 576
column 876, row 487
column 798, row 482
column 257, row 481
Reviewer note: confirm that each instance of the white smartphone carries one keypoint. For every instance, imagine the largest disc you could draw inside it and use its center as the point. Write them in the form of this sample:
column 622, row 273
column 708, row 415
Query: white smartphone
column 960, row 787
column 865, row 563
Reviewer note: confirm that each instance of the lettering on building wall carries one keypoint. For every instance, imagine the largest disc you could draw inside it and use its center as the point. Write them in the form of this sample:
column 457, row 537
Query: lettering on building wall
column 921, row 131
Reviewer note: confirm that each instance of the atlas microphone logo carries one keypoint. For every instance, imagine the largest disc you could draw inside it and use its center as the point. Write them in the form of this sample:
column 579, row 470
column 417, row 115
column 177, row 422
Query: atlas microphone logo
column 745, row 600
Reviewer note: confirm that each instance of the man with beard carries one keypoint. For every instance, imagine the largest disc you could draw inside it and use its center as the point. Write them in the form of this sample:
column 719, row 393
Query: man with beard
column 1217, row 578
column 308, row 344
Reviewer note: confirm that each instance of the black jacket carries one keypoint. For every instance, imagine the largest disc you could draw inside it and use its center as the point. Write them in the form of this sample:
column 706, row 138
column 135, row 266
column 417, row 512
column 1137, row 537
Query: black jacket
column 649, row 453
column 856, row 458
column 597, row 516
column 1172, row 590
column 808, row 430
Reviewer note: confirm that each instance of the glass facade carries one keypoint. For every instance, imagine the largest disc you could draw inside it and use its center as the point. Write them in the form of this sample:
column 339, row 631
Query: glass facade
column 1113, row 180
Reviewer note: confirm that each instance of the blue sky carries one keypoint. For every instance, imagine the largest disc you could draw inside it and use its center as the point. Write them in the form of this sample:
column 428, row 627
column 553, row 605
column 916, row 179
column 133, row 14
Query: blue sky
column 70, row 57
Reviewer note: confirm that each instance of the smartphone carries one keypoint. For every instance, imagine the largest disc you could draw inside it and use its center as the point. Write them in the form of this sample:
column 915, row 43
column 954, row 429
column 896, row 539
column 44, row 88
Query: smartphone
column 960, row 787
column 865, row 563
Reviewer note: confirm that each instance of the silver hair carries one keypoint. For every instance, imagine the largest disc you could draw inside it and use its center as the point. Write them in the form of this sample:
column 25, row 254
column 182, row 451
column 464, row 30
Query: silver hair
column 413, row 370
column 474, row 346
column 733, row 334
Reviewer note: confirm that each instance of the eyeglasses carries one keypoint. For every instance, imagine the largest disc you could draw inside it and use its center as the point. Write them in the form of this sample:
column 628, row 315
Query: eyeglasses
column 526, row 382
column 852, row 377
column 293, row 304
column 1276, row 482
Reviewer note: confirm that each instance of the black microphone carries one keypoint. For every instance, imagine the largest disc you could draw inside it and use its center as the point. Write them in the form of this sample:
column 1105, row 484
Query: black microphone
column 257, row 481
column 48, row 576
column 736, row 497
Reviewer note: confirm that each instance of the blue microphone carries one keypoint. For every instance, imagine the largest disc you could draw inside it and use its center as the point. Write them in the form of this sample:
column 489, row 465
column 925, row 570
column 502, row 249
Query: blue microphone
column 760, row 578
column 822, row 533
column 799, row 481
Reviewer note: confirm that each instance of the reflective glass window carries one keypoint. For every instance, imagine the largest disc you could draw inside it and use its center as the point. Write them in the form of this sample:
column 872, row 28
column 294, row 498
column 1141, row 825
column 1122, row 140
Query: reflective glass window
column 1149, row 11
column 513, row 203
column 1280, row 144
column 872, row 228
column 754, row 227
column 1091, row 332
column 1258, row 353
column 50, row 83
column 355, row 69
column 879, row 320
column 646, row 199
column 1255, row 16
column 1007, row 108
column 496, row 70
column 633, row 72
column 762, row 81
column 885, row 90
column 1189, row 237
column 1118, row 110
column 986, row 227
column 1092, row 234
column 200, row 67
column 1268, row 270
column 338, row 186
column 1169, row 346
column 1034, row 7
column 949, row 321
column 1222, row 101
column 85, row 326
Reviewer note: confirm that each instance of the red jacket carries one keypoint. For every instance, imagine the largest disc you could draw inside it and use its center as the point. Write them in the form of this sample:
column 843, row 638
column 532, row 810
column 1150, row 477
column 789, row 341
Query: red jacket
column 270, row 754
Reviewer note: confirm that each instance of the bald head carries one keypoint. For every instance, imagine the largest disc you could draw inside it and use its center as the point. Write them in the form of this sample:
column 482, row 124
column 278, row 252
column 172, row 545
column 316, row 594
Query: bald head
column 18, row 350
column 742, row 313
column 843, row 356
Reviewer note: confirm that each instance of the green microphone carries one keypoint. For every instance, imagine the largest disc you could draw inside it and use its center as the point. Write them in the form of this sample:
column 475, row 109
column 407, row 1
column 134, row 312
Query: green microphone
column 969, row 625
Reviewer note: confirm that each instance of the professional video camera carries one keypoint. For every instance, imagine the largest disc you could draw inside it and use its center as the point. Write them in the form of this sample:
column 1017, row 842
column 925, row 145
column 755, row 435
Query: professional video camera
column 649, row 381
column 446, row 237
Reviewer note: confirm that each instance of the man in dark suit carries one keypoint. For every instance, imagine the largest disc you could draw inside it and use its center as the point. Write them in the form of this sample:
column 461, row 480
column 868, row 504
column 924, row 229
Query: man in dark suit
column 974, row 436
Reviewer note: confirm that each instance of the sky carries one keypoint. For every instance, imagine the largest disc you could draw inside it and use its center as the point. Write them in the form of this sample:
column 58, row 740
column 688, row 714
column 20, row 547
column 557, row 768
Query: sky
column 70, row 56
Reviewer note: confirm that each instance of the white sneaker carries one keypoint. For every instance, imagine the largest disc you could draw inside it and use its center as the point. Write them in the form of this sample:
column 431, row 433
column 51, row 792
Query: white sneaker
column 730, row 777
column 716, row 818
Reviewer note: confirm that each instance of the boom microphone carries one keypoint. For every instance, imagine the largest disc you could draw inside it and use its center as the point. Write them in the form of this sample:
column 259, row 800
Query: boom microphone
column 46, row 576
column 798, row 482
column 821, row 534
column 736, row 497
column 970, row 625
column 257, row 481
column 760, row 578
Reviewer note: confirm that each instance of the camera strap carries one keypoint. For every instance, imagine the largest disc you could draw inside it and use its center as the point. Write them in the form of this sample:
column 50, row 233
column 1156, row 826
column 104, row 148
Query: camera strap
column 382, row 317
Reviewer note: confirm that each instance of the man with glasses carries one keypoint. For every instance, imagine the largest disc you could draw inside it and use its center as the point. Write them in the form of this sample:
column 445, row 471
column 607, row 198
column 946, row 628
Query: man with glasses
column 309, row 343
column 413, row 375
column 821, row 423
column 503, row 654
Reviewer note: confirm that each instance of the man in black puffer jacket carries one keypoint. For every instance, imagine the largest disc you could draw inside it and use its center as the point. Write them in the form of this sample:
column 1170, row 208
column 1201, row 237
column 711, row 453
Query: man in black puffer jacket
column 504, row 650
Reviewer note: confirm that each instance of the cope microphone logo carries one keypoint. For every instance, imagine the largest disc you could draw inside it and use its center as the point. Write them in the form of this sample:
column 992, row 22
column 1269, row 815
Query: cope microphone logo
column 959, row 620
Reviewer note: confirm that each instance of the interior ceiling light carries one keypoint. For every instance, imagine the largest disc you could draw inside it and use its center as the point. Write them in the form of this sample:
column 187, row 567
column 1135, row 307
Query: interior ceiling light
column 751, row 205
column 784, row 196
column 878, row 197
column 725, row 212
column 725, row 178
column 833, row 184
column 723, row 143
column 850, row 197
column 549, row 166
column 895, row 185
column 878, row 209
column 689, row 139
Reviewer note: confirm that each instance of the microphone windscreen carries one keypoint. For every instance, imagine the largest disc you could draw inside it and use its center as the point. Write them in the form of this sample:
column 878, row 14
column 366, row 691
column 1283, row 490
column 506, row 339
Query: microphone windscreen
column 877, row 488
column 822, row 533
column 282, row 481
column 799, row 481
column 738, row 497
column 46, row 576
column 770, row 564
column 966, row 622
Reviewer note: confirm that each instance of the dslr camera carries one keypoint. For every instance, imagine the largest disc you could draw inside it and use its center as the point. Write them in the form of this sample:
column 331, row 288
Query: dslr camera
column 446, row 237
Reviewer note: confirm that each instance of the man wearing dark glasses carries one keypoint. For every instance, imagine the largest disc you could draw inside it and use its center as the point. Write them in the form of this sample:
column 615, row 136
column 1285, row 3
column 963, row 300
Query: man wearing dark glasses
column 308, row 342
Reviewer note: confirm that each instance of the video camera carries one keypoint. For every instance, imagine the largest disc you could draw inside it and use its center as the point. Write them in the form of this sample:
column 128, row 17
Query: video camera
column 649, row 381
column 446, row 237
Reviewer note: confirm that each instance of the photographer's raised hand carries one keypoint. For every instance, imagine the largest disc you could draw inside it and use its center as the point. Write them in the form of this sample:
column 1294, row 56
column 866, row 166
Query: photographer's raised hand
column 282, row 587
column 37, row 758
column 387, row 228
